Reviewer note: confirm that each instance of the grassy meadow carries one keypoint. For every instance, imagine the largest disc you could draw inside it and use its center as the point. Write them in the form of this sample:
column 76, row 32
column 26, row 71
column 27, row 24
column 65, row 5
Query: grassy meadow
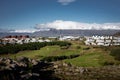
column 89, row 56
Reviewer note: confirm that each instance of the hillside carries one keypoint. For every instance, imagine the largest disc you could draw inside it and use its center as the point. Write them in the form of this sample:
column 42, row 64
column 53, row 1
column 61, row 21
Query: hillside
column 116, row 34
column 56, row 33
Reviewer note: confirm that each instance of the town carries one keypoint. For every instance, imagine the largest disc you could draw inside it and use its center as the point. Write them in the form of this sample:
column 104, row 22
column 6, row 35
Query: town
column 88, row 40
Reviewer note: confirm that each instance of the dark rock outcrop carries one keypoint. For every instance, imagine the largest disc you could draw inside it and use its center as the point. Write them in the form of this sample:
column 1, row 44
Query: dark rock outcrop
column 25, row 69
column 68, row 72
column 30, row 69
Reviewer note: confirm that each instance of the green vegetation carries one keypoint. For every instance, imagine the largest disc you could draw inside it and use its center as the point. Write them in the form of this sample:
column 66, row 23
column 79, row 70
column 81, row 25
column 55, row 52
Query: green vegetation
column 57, row 58
column 116, row 53
column 14, row 48
column 44, row 52
column 89, row 56
column 36, row 54
column 95, row 59
column 91, row 59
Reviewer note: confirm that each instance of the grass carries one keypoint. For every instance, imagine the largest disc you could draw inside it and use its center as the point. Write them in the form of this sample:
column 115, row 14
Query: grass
column 46, row 51
column 93, row 57
column 92, row 60
column 85, row 60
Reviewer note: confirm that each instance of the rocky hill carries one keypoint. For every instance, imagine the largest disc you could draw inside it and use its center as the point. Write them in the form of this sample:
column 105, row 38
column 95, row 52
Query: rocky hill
column 30, row 69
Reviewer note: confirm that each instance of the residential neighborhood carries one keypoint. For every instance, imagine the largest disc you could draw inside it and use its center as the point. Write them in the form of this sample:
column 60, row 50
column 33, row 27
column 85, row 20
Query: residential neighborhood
column 21, row 39
column 94, row 40
column 102, row 40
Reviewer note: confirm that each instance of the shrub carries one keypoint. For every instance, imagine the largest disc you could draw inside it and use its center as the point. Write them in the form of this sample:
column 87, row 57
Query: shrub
column 56, row 58
column 116, row 53
column 87, row 48
column 106, row 63
column 78, row 47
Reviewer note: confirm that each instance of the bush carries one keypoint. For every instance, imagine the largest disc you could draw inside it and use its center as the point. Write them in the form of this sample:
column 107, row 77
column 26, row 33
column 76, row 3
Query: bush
column 116, row 53
column 106, row 63
column 56, row 58
column 78, row 47
column 87, row 48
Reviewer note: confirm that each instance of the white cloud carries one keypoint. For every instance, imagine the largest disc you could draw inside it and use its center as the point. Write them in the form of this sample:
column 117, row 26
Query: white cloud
column 66, row 2
column 23, row 31
column 60, row 24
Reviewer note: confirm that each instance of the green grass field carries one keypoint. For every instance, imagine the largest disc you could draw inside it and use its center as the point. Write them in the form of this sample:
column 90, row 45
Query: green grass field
column 93, row 57
column 43, row 52
column 92, row 60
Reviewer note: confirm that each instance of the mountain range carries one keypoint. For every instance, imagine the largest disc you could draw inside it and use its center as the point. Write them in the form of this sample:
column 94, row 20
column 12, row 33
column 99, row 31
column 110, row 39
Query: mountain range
column 68, row 32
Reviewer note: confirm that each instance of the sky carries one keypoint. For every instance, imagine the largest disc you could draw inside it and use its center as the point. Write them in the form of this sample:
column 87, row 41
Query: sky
column 34, row 15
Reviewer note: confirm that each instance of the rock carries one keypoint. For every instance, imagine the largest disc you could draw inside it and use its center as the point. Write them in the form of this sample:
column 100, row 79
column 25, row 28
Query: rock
column 34, row 62
column 81, row 70
column 65, row 64
column 23, row 59
column 68, row 74
column 21, row 64
column 2, row 64
column 77, row 70
column 35, row 74
column 0, row 58
column 12, row 66
column 21, row 72
column 55, row 66
column 26, row 76
column 7, row 61
column 7, row 68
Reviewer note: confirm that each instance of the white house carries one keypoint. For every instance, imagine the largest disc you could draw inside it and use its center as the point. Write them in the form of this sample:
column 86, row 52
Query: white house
column 33, row 40
column 40, row 40
column 47, row 40
column 66, row 38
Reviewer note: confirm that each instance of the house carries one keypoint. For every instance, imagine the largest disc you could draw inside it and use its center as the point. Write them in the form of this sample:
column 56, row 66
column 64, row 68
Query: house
column 33, row 40
column 40, row 40
column 89, row 41
column 66, row 38
column 19, row 42
column 100, row 42
column 27, row 40
column 47, row 40
column 108, row 41
column 5, row 42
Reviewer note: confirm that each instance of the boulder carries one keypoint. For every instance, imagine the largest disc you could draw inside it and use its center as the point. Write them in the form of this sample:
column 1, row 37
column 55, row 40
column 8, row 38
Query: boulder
column 34, row 62
column 36, row 74
column 26, row 76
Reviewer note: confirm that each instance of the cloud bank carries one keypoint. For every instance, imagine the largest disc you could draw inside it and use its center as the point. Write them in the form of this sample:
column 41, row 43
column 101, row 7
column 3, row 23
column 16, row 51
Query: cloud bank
column 60, row 24
column 65, row 2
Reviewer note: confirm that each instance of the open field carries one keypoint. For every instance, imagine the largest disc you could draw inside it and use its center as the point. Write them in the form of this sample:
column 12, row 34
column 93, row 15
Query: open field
column 89, row 56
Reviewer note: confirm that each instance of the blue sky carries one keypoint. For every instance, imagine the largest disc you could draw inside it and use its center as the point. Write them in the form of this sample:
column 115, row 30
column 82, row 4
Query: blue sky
column 25, row 14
